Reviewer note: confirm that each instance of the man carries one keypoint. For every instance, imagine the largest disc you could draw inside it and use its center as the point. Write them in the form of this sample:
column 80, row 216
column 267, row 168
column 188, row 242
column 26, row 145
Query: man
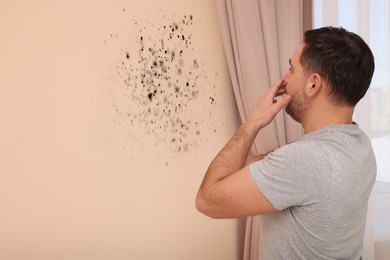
column 313, row 193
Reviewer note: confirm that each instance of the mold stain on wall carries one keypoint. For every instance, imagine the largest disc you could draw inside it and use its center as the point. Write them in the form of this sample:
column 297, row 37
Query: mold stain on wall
column 161, row 93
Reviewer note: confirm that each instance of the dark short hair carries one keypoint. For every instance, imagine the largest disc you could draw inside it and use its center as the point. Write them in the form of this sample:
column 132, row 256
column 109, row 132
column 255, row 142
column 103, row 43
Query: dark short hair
column 342, row 58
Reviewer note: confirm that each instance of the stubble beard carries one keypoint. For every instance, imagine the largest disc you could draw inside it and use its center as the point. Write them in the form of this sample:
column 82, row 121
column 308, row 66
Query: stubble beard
column 298, row 105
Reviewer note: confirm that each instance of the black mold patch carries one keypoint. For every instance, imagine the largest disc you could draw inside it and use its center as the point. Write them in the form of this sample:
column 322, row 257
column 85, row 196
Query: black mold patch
column 158, row 83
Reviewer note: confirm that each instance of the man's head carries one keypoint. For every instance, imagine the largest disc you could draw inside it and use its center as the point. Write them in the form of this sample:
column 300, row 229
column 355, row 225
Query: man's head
column 342, row 58
column 329, row 56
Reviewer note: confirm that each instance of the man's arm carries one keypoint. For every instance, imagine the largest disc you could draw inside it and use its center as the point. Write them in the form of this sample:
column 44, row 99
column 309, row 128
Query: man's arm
column 227, row 189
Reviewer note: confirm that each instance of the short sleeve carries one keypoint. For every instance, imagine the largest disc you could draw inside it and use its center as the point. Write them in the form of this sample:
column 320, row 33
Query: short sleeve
column 296, row 174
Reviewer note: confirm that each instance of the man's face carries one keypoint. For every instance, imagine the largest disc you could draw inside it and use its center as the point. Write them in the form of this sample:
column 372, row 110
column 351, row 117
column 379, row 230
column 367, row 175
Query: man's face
column 295, row 87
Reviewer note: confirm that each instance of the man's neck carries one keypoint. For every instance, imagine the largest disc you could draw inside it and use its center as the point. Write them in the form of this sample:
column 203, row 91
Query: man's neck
column 320, row 117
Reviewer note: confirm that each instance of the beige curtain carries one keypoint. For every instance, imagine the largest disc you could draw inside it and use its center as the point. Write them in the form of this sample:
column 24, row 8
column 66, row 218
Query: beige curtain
column 260, row 36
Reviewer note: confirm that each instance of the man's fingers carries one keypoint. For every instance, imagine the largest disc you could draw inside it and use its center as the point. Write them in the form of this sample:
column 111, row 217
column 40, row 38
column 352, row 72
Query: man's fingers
column 280, row 93
column 278, row 89
column 281, row 103
column 284, row 101
column 278, row 85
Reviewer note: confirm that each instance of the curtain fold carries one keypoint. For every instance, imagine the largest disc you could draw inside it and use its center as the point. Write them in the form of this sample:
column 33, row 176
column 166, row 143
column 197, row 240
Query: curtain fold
column 259, row 37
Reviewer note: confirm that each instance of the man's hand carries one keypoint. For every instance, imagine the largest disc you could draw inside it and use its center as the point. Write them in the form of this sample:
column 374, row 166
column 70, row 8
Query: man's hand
column 269, row 105
column 227, row 189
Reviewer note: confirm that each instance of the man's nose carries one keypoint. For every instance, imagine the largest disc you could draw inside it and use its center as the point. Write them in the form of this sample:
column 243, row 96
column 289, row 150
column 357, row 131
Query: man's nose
column 285, row 77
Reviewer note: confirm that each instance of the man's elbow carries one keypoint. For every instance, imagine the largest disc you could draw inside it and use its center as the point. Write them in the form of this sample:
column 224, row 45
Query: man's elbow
column 204, row 206
column 200, row 203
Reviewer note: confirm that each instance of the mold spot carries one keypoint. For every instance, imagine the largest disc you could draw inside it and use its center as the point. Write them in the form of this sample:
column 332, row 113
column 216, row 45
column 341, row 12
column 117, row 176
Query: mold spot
column 196, row 65
column 158, row 86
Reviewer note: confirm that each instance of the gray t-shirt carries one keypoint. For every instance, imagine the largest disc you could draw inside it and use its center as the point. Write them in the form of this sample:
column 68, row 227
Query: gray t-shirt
column 320, row 184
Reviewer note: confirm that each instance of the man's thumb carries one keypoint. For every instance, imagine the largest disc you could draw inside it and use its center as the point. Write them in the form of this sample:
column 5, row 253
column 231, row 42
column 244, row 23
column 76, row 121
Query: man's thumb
column 281, row 103
column 286, row 99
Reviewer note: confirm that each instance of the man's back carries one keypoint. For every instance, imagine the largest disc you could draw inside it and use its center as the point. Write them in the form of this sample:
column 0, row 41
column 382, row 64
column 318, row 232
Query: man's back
column 321, row 185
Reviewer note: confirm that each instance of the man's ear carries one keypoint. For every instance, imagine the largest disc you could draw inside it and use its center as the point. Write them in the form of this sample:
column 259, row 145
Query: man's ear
column 314, row 84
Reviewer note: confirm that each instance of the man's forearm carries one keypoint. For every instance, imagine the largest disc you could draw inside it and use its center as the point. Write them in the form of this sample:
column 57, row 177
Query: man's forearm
column 229, row 160
column 233, row 156
column 221, row 193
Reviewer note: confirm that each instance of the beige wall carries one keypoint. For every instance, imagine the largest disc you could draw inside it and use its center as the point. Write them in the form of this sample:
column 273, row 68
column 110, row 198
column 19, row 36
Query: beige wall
column 90, row 166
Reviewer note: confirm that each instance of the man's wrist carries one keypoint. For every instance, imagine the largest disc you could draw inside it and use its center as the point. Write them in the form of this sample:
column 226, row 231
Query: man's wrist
column 251, row 127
